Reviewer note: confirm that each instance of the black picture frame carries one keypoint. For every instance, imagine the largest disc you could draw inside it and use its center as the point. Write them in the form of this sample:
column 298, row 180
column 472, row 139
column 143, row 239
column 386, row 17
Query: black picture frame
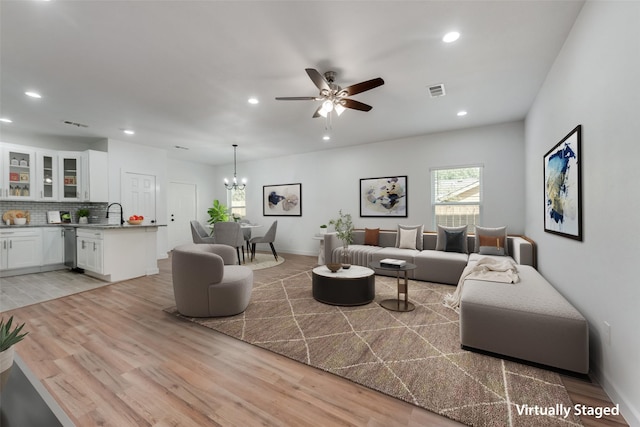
column 282, row 200
column 562, row 186
column 384, row 197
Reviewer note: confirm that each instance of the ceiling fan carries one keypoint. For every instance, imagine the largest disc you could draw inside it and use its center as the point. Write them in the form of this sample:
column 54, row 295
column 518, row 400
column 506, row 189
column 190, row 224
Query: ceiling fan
column 333, row 97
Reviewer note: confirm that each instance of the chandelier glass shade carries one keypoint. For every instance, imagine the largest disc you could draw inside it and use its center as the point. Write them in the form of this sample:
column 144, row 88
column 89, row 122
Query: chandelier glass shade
column 234, row 185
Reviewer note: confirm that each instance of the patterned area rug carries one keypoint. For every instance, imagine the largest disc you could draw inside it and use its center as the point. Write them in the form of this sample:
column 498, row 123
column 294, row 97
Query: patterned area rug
column 414, row 356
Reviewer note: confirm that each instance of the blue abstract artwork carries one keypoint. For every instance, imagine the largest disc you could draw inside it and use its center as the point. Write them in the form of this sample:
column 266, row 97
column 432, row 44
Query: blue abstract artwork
column 562, row 187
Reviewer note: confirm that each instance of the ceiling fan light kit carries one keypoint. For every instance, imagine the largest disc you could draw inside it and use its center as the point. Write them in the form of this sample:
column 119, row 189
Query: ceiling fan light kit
column 333, row 97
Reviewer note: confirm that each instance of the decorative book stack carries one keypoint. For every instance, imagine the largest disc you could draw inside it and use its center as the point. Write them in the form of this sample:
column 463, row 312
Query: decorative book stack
column 390, row 262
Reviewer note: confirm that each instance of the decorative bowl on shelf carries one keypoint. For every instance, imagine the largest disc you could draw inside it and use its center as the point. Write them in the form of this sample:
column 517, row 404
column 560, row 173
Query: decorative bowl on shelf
column 334, row 266
column 19, row 221
column 135, row 221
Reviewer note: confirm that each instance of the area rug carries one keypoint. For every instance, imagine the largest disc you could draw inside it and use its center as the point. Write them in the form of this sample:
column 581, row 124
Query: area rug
column 413, row 356
column 261, row 261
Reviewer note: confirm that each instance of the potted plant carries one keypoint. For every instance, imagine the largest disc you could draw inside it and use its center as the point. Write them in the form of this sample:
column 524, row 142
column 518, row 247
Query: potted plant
column 344, row 230
column 323, row 229
column 218, row 212
column 8, row 337
column 83, row 215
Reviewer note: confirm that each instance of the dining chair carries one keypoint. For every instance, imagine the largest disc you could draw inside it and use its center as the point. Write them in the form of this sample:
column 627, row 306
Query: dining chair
column 246, row 232
column 199, row 233
column 229, row 233
column 269, row 237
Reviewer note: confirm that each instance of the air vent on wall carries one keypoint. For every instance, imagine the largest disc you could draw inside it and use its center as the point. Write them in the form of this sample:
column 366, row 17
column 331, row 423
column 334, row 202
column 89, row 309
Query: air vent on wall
column 436, row 90
column 80, row 125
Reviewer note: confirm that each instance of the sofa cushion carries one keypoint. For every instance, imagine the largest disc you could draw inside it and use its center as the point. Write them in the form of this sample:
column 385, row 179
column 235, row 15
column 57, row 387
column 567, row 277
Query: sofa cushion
column 439, row 266
column 371, row 236
column 490, row 239
column 418, row 237
column 441, row 240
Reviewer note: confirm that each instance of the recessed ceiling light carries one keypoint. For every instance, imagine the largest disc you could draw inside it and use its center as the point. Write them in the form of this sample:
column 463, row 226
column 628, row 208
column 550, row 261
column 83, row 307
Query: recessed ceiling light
column 33, row 94
column 326, row 137
column 253, row 100
column 5, row 120
column 128, row 132
column 451, row 37
column 462, row 113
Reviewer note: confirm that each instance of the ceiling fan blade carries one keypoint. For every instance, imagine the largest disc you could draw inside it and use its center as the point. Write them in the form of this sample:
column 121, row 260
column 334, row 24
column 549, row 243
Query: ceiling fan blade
column 361, row 87
column 356, row 105
column 317, row 79
column 296, row 98
column 317, row 113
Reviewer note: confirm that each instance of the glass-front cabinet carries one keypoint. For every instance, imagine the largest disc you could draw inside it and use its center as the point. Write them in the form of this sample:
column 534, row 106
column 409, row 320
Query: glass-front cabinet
column 48, row 179
column 70, row 176
column 18, row 177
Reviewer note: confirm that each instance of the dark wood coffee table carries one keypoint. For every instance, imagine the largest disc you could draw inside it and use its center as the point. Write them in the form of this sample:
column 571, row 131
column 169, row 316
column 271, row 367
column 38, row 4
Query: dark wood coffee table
column 403, row 287
column 353, row 286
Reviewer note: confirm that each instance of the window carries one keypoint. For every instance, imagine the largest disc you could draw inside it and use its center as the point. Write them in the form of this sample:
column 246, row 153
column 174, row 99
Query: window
column 237, row 201
column 456, row 196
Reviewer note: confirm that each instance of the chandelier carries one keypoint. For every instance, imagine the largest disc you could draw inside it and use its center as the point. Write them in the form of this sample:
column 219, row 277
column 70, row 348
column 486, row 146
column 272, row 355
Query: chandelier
column 235, row 185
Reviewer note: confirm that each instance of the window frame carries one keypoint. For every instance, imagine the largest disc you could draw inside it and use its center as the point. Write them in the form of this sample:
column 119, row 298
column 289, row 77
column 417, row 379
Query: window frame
column 435, row 204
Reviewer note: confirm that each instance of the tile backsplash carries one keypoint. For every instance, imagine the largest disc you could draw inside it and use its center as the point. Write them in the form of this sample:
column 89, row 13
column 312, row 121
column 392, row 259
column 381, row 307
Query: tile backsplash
column 38, row 210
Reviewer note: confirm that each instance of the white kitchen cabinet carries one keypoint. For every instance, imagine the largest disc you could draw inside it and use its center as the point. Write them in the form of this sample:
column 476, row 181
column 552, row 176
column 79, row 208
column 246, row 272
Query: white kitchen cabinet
column 95, row 176
column 90, row 253
column 70, row 176
column 20, row 248
column 18, row 172
column 52, row 245
column 47, row 176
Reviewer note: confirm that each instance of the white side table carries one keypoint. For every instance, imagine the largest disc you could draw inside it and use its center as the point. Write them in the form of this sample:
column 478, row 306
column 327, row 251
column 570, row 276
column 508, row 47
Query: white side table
column 320, row 237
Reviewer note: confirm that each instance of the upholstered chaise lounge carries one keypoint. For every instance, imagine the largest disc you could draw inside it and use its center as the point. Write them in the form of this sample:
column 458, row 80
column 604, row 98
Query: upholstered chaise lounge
column 208, row 283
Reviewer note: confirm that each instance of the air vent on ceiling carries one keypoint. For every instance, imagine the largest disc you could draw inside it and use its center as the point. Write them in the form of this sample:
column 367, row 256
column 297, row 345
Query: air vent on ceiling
column 80, row 125
column 436, row 90
column 180, row 147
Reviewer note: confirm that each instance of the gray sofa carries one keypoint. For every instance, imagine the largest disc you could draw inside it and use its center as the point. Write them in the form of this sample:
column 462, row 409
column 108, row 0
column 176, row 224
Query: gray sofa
column 432, row 265
column 529, row 320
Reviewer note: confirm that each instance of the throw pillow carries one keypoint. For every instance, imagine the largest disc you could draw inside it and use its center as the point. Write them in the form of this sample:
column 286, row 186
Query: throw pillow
column 490, row 245
column 371, row 236
column 454, row 241
column 441, row 239
column 407, row 238
column 491, row 237
column 418, row 236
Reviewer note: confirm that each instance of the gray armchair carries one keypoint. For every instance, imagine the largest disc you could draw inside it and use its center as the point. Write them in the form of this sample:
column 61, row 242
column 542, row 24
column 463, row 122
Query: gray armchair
column 229, row 233
column 199, row 233
column 207, row 283
column 269, row 238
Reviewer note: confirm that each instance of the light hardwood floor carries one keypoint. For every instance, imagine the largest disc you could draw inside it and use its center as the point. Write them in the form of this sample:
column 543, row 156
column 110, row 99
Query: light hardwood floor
column 111, row 356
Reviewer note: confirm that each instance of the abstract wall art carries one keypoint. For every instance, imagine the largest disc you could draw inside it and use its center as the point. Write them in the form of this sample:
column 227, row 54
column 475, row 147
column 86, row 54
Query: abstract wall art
column 386, row 196
column 282, row 200
column 563, row 187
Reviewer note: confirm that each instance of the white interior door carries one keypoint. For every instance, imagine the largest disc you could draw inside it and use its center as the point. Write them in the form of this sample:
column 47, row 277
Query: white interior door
column 182, row 209
column 139, row 196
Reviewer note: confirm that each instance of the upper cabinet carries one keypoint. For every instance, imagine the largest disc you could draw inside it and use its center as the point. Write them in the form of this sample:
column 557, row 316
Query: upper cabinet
column 70, row 164
column 18, row 173
column 53, row 176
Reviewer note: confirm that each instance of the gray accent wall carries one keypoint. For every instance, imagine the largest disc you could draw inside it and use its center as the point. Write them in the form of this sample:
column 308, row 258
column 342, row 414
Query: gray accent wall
column 594, row 82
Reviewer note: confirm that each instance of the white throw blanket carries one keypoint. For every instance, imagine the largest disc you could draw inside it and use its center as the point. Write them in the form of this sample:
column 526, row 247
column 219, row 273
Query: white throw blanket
column 488, row 269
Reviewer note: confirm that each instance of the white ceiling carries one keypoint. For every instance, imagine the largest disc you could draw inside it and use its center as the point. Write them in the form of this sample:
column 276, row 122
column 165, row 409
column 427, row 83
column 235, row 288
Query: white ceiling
column 180, row 72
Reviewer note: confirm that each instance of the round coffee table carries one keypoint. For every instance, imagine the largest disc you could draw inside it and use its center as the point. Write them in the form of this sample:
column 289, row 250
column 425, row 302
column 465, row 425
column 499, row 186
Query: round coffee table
column 403, row 287
column 354, row 286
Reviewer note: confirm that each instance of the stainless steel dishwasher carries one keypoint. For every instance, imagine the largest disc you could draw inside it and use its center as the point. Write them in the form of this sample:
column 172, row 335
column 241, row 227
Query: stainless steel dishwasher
column 70, row 259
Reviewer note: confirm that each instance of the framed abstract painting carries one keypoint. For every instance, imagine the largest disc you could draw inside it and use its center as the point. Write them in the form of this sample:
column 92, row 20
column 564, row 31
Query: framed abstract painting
column 386, row 196
column 563, row 187
column 282, row 200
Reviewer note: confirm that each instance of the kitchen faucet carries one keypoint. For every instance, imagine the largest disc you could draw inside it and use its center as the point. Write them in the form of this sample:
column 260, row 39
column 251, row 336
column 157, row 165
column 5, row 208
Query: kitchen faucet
column 121, row 214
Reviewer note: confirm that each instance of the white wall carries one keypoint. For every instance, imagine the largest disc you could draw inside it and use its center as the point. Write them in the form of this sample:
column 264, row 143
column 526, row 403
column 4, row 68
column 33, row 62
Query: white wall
column 128, row 157
column 330, row 180
column 594, row 82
